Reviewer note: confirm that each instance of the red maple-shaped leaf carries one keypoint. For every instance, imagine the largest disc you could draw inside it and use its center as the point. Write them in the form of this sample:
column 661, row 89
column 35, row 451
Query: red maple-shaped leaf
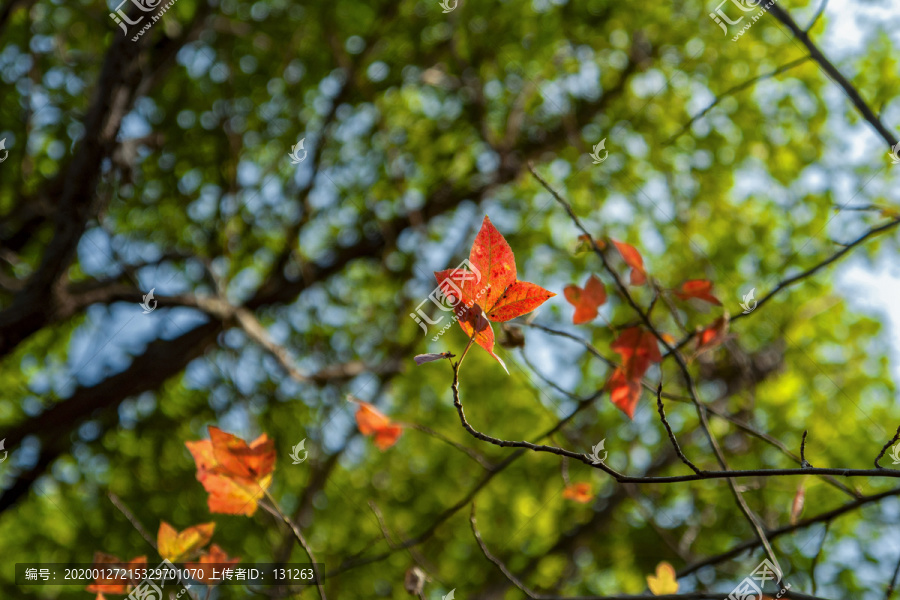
column 697, row 288
column 372, row 422
column 624, row 392
column 634, row 260
column 638, row 349
column 490, row 284
column 712, row 335
column 579, row 492
column 235, row 474
column 586, row 300
column 114, row 584
column 175, row 546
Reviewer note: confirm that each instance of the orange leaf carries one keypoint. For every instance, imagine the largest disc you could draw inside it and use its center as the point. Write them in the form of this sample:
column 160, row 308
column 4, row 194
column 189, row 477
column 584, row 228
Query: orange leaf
column 586, row 300
column 490, row 286
column 114, row 585
column 664, row 582
column 712, row 335
column 520, row 297
column 579, row 492
column 235, row 474
column 638, row 349
column 634, row 260
column 216, row 556
column 176, row 546
column 697, row 288
column 372, row 422
column 624, row 392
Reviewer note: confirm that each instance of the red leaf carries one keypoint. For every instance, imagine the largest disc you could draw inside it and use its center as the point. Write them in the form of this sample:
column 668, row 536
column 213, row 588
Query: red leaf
column 712, row 335
column 586, row 300
column 634, row 260
column 519, row 298
column 624, row 392
column 234, row 473
column 697, row 288
column 460, row 284
column 372, row 422
column 472, row 320
column 579, row 492
column 492, row 256
column 638, row 349
column 489, row 287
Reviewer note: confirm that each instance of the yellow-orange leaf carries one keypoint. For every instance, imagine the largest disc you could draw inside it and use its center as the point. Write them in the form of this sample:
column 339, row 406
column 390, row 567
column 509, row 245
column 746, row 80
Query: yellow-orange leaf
column 114, row 585
column 713, row 335
column 664, row 582
column 634, row 260
column 216, row 556
column 586, row 300
column 372, row 422
column 235, row 474
column 176, row 546
column 697, row 288
column 579, row 492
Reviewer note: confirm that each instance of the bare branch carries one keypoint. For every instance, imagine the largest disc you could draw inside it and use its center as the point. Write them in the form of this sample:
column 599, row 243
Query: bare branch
column 662, row 416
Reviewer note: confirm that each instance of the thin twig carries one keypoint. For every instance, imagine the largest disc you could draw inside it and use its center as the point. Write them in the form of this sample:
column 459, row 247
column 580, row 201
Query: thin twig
column 662, row 416
column 852, row 93
column 804, row 464
column 892, row 583
column 130, row 516
column 487, row 553
column 739, row 87
column 812, row 24
column 276, row 511
column 474, row 455
column 815, row 560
